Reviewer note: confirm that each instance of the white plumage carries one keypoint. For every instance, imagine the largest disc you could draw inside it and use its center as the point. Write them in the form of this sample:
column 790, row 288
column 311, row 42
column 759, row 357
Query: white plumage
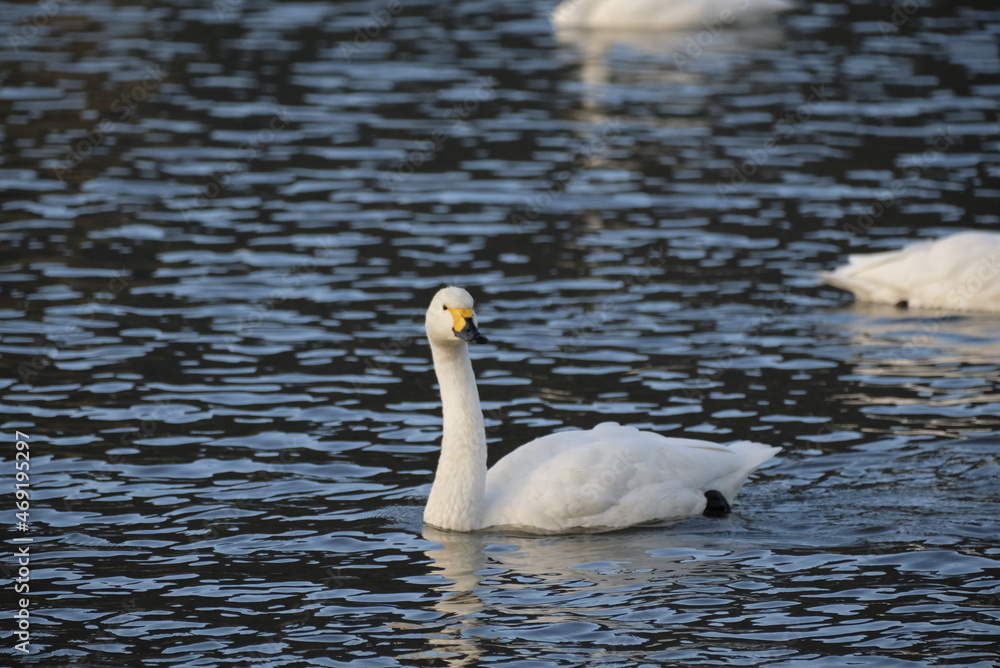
column 960, row 272
column 661, row 14
column 608, row 477
column 613, row 476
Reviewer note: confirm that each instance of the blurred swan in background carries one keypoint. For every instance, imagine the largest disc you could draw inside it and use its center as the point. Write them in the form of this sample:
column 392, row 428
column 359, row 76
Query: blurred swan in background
column 960, row 272
column 639, row 44
column 660, row 14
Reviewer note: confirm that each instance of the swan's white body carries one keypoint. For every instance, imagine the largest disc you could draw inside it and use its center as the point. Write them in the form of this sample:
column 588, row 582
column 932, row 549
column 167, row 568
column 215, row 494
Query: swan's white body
column 608, row 477
column 960, row 272
column 660, row 14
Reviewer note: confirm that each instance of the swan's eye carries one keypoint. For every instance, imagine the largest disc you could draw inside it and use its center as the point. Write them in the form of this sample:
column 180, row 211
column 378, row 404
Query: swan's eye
column 445, row 308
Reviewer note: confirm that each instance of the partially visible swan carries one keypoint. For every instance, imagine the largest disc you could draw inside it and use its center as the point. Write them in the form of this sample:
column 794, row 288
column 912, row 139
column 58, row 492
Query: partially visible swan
column 661, row 14
column 960, row 272
column 608, row 477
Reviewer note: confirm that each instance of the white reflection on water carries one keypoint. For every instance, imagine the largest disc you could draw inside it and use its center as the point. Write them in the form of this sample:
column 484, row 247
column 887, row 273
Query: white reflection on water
column 929, row 372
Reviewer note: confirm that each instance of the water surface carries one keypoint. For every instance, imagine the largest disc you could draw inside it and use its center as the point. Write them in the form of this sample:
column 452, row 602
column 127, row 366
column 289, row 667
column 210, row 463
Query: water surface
column 221, row 225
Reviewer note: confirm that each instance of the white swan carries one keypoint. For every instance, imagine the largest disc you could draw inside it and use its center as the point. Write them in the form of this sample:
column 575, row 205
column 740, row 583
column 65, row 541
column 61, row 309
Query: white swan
column 608, row 477
column 960, row 272
column 661, row 14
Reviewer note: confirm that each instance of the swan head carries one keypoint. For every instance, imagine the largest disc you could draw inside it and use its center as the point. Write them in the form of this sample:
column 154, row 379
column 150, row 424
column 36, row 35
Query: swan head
column 450, row 318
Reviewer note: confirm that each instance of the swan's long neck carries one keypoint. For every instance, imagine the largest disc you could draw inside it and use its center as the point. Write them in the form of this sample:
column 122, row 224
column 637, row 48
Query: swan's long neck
column 456, row 500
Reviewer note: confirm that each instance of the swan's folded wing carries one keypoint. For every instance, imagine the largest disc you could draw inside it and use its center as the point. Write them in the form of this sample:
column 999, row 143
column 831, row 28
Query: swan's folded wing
column 612, row 476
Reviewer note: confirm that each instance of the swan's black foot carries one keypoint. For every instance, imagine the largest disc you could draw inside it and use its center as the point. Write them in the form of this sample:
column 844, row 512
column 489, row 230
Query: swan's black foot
column 717, row 505
column 903, row 304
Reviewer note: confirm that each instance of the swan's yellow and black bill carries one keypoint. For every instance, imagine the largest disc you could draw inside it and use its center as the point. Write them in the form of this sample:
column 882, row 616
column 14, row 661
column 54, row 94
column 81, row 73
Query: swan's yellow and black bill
column 464, row 326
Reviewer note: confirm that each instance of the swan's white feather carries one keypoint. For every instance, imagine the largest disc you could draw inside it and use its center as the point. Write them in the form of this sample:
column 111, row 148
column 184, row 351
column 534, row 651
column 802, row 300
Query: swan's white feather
column 613, row 476
column 960, row 272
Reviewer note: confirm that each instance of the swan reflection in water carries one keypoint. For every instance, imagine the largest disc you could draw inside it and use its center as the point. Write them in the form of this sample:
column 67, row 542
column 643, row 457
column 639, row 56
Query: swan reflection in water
column 573, row 584
column 927, row 372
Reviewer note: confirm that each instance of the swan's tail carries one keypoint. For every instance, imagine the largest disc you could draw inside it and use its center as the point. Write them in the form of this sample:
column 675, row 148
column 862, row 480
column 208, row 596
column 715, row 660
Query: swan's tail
column 868, row 278
column 753, row 455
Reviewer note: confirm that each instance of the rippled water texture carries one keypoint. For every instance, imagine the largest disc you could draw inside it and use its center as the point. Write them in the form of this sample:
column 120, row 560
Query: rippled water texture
column 221, row 226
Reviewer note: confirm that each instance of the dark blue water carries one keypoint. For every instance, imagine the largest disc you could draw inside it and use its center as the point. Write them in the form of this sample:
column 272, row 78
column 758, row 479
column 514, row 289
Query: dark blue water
column 221, row 225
